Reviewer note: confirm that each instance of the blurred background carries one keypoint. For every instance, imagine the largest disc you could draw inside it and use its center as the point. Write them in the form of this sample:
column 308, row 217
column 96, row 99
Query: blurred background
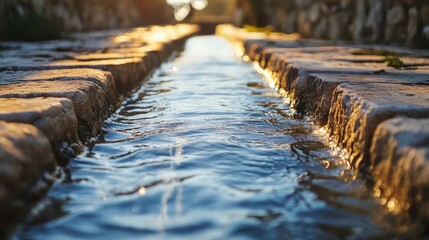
column 400, row 22
column 35, row 20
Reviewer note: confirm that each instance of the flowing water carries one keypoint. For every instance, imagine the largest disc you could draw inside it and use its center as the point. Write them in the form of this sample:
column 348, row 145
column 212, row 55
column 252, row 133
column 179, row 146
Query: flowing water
column 206, row 150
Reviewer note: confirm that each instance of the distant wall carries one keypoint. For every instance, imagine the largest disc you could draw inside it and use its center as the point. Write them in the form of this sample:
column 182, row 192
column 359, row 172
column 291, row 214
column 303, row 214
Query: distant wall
column 84, row 15
column 403, row 22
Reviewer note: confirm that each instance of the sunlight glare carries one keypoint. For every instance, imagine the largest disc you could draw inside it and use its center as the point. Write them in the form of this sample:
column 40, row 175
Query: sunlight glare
column 142, row 191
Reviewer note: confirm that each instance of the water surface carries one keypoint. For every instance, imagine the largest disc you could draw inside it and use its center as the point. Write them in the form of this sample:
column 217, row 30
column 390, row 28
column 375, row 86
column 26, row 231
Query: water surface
column 206, row 150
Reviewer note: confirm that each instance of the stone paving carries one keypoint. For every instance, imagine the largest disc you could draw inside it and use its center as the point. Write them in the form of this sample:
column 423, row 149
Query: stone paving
column 54, row 96
column 378, row 114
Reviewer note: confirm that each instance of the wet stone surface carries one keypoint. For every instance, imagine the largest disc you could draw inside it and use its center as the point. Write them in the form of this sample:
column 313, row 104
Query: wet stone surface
column 357, row 109
column 402, row 143
column 25, row 154
column 316, row 100
column 89, row 100
column 206, row 150
column 55, row 117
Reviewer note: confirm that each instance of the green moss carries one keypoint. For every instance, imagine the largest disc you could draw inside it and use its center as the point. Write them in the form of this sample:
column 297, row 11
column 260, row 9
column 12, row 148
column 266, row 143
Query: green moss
column 394, row 61
column 30, row 28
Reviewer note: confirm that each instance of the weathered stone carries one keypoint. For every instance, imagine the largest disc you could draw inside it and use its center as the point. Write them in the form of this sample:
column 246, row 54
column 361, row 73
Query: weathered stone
column 126, row 57
column 369, row 21
column 316, row 100
column 292, row 69
column 88, row 99
column 150, row 59
column 399, row 160
column 25, row 155
column 103, row 79
column 357, row 109
column 55, row 117
column 103, row 51
column 295, row 76
column 126, row 72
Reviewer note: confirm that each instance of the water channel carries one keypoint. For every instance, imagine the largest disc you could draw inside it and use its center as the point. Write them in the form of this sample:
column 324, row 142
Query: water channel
column 206, row 150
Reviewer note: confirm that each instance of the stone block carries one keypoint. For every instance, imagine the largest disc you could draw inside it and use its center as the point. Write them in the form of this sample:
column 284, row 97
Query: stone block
column 400, row 165
column 316, row 100
column 25, row 156
column 89, row 100
column 55, row 117
column 292, row 69
column 156, row 53
column 357, row 109
column 126, row 72
column 103, row 79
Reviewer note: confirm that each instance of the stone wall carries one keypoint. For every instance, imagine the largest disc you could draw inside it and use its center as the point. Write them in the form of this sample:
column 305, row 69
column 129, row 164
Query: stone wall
column 401, row 22
column 85, row 15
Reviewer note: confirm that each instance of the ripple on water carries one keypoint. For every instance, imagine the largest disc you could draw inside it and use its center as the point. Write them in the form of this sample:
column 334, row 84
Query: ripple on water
column 205, row 150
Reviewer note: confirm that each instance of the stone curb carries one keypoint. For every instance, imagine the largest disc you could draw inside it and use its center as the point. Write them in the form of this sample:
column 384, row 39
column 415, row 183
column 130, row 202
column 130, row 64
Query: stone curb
column 354, row 95
column 55, row 117
column 400, row 151
column 55, row 95
column 357, row 109
column 25, row 155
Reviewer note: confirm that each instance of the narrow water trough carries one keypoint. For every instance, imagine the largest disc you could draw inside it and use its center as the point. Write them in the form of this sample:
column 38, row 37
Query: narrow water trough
column 207, row 150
